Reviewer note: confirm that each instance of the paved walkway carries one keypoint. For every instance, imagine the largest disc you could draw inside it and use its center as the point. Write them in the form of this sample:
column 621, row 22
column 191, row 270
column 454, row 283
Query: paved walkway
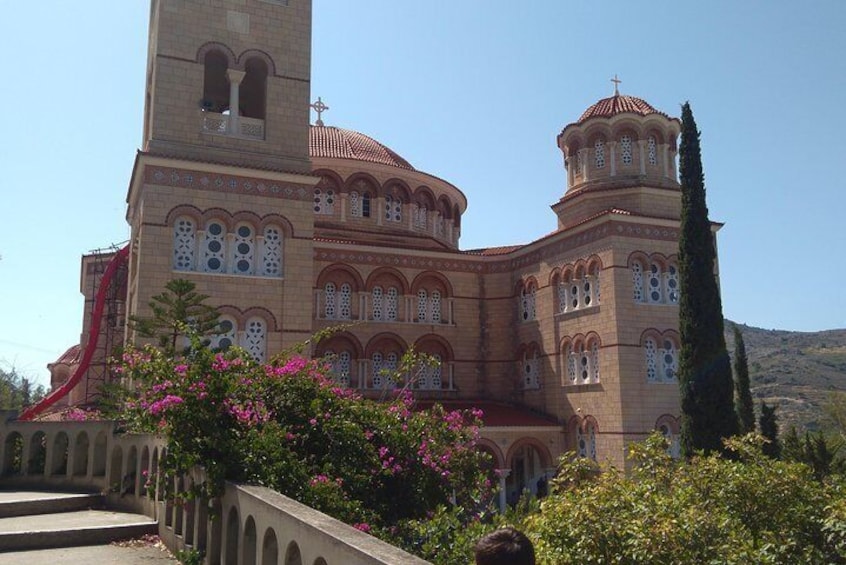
column 91, row 555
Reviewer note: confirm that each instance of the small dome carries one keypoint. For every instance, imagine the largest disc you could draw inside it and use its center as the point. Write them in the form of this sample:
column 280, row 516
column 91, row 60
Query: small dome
column 619, row 104
column 336, row 143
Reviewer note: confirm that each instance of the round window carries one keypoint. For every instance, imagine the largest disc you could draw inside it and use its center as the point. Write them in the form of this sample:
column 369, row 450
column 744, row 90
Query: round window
column 214, row 246
column 225, row 326
column 243, row 265
column 214, row 264
column 225, row 343
column 243, row 248
column 245, row 231
column 215, row 229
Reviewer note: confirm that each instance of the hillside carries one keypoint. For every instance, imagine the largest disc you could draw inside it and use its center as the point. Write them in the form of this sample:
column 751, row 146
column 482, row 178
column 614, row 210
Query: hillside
column 794, row 370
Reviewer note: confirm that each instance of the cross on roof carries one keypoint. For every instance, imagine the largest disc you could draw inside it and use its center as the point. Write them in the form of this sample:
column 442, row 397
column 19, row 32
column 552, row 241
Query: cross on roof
column 616, row 82
column 319, row 107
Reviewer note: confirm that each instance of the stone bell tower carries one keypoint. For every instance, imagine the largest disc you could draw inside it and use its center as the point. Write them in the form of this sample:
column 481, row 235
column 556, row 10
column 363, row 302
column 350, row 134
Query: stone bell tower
column 221, row 192
column 228, row 81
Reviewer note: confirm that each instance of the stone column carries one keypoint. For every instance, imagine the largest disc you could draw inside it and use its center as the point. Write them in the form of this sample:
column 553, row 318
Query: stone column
column 585, row 164
column 641, row 152
column 502, row 474
column 235, row 78
column 612, row 156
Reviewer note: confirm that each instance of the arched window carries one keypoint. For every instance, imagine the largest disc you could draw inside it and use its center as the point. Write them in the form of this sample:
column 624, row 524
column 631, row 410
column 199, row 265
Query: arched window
column 637, row 281
column 599, row 153
column 626, row 150
column 324, row 201
column 531, row 370
column 393, row 208
column 435, row 307
column 184, row 243
column 340, row 366
column 421, row 215
column 384, row 365
column 594, row 358
column 255, row 338
column 243, row 250
column 651, row 152
column 669, row 361
column 253, row 89
column 575, row 295
column 226, row 335
column 215, row 83
column 651, row 351
column 214, row 249
column 583, row 361
column 586, row 440
column 422, row 305
column 572, row 363
column 563, row 287
column 430, row 374
column 271, row 256
column 528, row 310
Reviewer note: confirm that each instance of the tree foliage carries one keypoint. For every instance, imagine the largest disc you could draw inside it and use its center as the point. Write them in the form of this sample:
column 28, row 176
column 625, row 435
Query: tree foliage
column 768, row 424
column 705, row 378
column 179, row 306
column 739, row 510
column 744, row 407
column 16, row 391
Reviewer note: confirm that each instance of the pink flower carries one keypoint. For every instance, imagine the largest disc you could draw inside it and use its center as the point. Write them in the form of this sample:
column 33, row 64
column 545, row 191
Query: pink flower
column 362, row 526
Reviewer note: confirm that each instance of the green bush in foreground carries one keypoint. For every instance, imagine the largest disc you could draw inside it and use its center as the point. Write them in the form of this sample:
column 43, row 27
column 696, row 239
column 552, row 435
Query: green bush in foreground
column 747, row 509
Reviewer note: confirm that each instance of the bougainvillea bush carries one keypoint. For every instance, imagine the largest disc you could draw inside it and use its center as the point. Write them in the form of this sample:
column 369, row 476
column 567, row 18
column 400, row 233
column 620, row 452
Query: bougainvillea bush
column 288, row 426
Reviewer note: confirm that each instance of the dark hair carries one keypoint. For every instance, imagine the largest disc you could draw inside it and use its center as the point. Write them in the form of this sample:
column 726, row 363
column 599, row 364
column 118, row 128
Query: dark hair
column 506, row 546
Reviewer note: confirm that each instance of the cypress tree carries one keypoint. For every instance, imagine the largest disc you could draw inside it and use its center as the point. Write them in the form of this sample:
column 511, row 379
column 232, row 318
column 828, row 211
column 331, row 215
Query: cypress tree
column 743, row 405
column 705, row 380
column 769, row 429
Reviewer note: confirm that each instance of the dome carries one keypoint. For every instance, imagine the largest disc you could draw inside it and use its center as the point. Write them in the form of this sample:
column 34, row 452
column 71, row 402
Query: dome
column 619, row 104
column 336, row 143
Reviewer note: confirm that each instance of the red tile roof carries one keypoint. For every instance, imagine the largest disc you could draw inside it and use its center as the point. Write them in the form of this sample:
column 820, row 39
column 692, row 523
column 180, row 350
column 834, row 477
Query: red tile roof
column 619, row 104
column 69, row 356
column 488, row 251
column 337, row 143
column 495, row 414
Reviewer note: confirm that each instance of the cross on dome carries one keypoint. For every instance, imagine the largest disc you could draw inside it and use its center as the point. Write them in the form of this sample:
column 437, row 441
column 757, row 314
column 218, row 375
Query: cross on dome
column 319, row 107
column 616, row 82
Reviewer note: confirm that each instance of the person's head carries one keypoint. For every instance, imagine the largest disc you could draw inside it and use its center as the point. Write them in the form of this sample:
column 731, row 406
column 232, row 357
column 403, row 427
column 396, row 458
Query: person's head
column 505, row 546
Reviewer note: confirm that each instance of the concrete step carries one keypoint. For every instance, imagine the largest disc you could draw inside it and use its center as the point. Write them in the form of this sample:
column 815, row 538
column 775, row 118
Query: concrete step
column 24, row 503
column 75, row 528
column 114, row 554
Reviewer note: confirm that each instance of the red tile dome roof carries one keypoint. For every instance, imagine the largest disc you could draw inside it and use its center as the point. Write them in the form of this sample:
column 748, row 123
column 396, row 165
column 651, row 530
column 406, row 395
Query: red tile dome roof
column 619, row 104
column 336, row 143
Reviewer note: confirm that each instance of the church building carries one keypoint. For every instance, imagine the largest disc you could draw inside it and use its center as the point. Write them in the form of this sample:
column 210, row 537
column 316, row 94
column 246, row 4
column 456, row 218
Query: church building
column 568, row 343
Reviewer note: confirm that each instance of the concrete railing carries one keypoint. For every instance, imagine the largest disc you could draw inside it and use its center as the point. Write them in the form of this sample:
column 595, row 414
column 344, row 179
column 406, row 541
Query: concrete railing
column 247, row 525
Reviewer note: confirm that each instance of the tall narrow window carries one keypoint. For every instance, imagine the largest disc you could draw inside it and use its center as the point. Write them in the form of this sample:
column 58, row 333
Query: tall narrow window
column 393, row 208
column 671, row 284
column 341, row 364
column 669, row 361
column 562, row 296
column 376, row 296
column 637, row 281
column 422, row 303
column 586, row 440
column 324, row 201
column 215, row 84
column 584, row 364
column 329, row 297
column 255, row 336
column 572, row 363
column 430, row 377
column 344, row 302
column 435, row 307
column 599, row 153
column 365, row 205
column 654, row 278
column 391, row 304
column 594, row 357
column 384, row 369
column 575, row 295
column 651, row 350
column 184, row 242
column 531, row 371
column 651, row 151
column 355, row 204
column 243, row 249
column 587, row 291
column 253, row 89
column 626, row 150
column 271, row 256
column 213, row 248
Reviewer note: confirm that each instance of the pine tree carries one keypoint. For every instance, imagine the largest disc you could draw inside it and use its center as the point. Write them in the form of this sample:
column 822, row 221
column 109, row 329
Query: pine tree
column 176, row 311
column 705, row 380
column 743, row 405
column 769, row 429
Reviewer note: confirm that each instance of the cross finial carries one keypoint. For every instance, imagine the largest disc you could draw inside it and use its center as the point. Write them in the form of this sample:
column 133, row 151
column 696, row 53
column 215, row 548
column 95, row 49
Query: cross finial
column 616, row 82
column 319, row 107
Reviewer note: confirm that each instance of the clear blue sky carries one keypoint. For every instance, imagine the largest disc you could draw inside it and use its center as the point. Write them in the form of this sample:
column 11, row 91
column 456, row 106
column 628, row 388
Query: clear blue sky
column 474, row 92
